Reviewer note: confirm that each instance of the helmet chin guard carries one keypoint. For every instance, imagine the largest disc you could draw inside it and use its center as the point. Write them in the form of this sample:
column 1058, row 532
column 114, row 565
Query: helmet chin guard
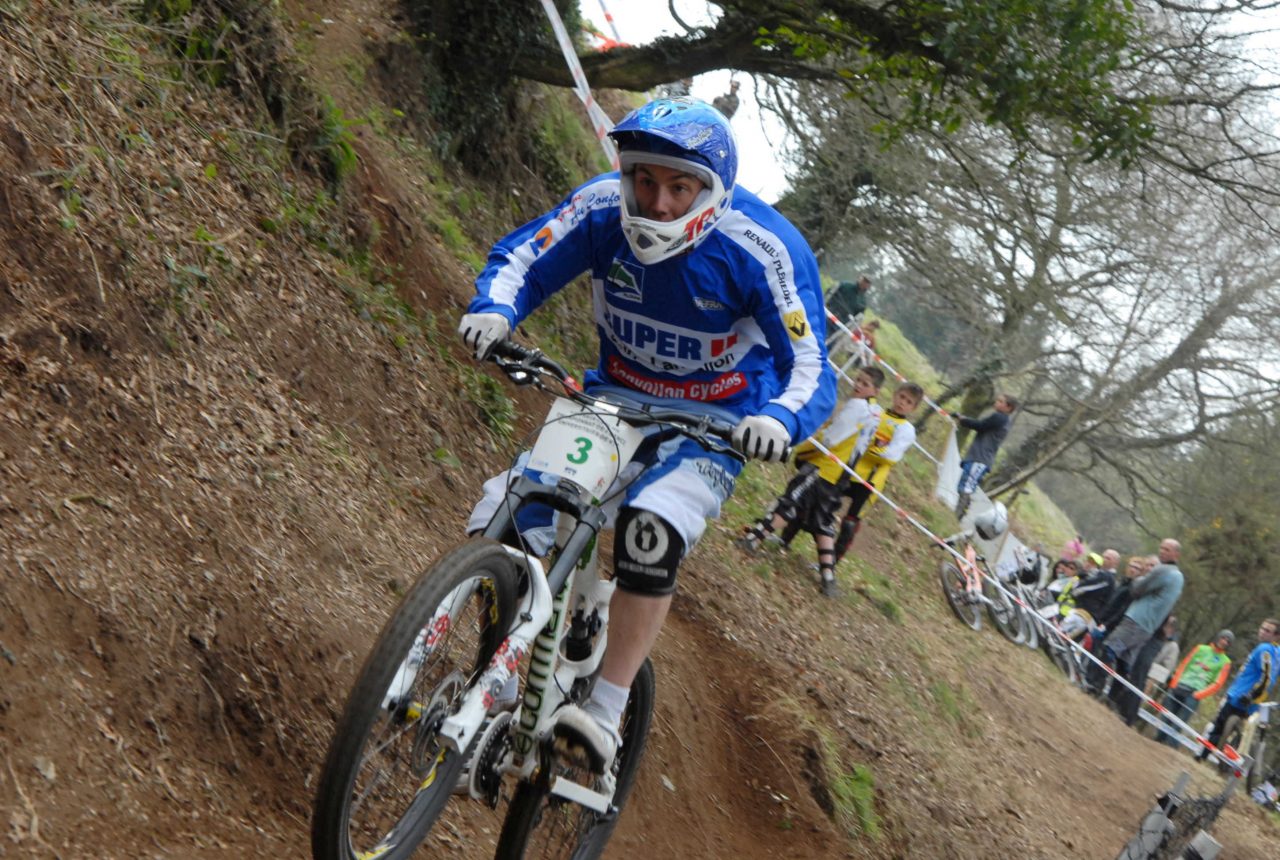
column 654, row 241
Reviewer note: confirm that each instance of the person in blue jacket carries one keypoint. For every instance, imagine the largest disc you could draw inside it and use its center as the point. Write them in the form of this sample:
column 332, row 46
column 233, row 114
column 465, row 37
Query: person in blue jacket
column 701, row 293
column 1255, row 683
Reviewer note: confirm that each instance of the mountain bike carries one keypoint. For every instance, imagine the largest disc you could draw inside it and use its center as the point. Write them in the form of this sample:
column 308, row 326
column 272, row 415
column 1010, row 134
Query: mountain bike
column 1248, row 737
column 969, row 585
column 424, row 719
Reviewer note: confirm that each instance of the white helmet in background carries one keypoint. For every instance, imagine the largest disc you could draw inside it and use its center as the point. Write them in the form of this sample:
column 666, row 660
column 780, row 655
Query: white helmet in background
column 992, row 522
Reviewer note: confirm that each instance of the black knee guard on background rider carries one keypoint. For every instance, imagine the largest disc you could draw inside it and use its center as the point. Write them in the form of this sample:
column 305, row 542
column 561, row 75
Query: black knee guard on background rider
column 848, row 528
column 646, row 553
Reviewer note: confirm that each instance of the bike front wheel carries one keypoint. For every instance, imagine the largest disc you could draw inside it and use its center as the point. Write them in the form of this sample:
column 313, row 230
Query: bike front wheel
column 546, row 827
column 1003, row 611
column 955, row 587
column 388, row 775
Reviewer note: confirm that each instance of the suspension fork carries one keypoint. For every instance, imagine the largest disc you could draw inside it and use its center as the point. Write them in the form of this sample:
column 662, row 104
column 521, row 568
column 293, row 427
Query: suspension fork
column 575, row 563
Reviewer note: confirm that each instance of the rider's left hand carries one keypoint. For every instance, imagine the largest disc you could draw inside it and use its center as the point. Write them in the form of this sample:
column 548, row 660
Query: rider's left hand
column 762, row 438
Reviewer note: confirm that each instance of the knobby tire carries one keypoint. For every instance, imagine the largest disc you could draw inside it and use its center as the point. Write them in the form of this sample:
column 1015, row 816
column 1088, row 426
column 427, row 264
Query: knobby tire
column 953, row 587
column 540, row 826
column 1005, row 614
column 480, row 579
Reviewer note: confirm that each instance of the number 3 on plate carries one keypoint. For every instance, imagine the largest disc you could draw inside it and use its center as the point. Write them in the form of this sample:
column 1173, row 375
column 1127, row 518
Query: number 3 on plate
column 580, row 456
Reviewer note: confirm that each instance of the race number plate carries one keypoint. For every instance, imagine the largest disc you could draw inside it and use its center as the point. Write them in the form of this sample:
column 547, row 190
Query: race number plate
column 587, row 446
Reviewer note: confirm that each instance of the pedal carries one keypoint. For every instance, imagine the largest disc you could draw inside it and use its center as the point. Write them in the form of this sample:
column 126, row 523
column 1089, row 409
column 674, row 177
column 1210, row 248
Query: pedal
column 596, row 801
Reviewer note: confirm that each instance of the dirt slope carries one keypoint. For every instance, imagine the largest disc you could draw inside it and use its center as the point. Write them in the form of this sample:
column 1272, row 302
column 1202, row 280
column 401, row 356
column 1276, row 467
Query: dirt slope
column 225, row 447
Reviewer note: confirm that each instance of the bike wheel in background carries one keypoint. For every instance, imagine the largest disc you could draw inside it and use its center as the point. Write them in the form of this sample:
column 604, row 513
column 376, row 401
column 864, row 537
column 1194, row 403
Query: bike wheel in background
column 541, row 826
column 1258, row 769
column 1064, row 658
column 1003, row 611
column 1030, row 625
column 387, row 776
column 965, row 607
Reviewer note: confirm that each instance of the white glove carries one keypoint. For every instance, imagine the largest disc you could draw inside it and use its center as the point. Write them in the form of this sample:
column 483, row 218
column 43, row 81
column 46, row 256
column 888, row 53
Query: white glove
column 482, row 331
column 762, row 438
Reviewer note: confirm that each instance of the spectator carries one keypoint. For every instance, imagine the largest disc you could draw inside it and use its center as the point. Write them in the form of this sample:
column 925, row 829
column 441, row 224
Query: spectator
column 990, row 432
column 1093, row 592
column 893, row 437
column 813, row 497
column 1096, row 680
column 1200, row 675
column 1253, row 685
column 848, row 300
column 1161, row 649
column 1110, row 562
column 677, row 89
column 727, row 104
column 1073, row 548
column 1154, row 595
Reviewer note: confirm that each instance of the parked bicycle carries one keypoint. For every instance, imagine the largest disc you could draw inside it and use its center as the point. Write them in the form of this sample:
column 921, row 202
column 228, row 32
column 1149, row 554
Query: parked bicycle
column 1248, row 737
column 969, row 585
column 423, row 719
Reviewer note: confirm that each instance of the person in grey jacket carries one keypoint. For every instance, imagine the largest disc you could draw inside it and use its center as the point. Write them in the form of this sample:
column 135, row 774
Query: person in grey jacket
column 1154, row 596
column 989, row 432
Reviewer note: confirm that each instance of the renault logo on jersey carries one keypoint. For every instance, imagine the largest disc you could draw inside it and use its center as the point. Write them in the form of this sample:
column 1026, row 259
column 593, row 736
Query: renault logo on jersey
column 797, row 325
column 625, row 282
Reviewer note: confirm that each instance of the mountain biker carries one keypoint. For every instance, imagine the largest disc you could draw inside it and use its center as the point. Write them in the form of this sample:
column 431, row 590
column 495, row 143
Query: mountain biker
column 705, row 298
column 1253, row 685
column 1201, row 674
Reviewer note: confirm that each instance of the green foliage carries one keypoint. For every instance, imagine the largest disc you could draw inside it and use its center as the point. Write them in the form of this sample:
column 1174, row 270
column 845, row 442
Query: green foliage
column 1015, row 59
column 202, row 40
column 954, row 706
column 854, row 794
column 497, row 410
column 334, row 140
column 896, row 349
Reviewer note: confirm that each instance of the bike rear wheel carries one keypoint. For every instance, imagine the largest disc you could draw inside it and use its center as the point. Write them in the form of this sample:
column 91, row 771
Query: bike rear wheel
column 388, row 775
column 961, row 602
column 541, row 826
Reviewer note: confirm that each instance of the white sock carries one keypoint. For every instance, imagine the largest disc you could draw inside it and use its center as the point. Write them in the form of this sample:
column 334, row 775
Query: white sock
column 610, row 701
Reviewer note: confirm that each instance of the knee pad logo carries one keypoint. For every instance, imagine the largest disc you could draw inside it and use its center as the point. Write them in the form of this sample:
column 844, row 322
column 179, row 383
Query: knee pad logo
column 647, row 539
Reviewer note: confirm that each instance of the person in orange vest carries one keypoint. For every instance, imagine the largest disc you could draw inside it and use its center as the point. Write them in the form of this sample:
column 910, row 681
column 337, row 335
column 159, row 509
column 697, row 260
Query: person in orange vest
column 1200, row 675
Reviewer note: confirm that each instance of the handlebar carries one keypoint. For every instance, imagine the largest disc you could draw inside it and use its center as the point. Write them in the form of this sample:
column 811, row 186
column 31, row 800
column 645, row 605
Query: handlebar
column 525, row 366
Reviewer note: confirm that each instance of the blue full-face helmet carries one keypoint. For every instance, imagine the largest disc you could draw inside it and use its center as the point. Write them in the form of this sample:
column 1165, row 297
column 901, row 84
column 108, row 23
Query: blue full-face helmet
column 683, row 134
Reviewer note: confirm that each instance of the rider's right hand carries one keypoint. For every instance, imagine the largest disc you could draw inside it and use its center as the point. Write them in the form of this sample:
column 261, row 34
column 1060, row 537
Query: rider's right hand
column 481, row 331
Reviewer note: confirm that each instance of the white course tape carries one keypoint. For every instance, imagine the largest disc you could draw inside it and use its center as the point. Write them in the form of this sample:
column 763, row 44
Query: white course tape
column 599, row 119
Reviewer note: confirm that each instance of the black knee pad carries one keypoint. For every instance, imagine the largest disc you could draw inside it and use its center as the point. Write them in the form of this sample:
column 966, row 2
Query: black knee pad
column 646, row 552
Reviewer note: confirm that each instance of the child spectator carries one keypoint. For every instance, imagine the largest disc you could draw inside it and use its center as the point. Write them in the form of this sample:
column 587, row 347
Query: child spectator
column 812, row 498
column 893, row 437
column 1200, row 675
column 990, row 432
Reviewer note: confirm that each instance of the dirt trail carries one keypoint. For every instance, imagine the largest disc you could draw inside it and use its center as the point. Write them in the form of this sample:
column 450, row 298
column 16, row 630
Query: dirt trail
column 222, row 458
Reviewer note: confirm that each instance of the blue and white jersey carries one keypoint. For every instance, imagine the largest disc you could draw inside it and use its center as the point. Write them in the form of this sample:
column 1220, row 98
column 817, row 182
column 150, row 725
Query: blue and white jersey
column 1257, row 678
column 737, row 322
